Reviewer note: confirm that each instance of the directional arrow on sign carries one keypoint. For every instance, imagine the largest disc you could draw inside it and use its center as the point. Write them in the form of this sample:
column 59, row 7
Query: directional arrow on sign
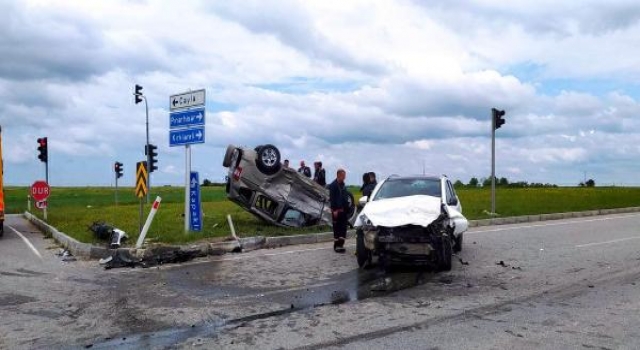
column 186, row 136
column 187, row 119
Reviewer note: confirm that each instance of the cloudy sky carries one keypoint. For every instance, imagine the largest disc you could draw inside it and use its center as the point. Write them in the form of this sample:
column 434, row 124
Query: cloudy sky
column 390, row 86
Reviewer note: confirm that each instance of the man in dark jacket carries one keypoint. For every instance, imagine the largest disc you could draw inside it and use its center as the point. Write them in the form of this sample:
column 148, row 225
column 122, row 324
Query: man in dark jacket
column 319, row 174
column 304, row 170
column 339, row 208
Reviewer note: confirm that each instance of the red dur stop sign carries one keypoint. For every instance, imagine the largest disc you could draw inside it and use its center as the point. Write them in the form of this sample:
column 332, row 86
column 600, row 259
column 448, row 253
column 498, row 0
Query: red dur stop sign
column 40, row 191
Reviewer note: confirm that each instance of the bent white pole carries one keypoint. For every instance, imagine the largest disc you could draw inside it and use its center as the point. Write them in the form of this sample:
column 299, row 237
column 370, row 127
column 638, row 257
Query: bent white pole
column 233, row 230
column 147, row 224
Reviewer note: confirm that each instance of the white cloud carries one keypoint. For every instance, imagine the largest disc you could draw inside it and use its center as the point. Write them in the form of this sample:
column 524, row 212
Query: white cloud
column 393, row 87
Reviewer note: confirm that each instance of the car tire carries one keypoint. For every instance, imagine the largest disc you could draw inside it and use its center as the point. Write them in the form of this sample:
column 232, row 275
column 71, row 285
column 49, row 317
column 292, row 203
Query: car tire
column 268, row 159
column 226, row 162
column 446, row 253
column 364, row 255
column 352, row 212
column 457, row 248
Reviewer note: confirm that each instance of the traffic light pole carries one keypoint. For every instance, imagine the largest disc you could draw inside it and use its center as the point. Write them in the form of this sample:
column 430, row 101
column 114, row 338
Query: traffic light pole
column 146, row 107
column 493, row 164
column 116, row 189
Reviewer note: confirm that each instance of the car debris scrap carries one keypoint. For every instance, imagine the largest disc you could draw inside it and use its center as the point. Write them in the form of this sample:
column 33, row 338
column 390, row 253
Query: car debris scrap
column 107, row 232
column 157, row 256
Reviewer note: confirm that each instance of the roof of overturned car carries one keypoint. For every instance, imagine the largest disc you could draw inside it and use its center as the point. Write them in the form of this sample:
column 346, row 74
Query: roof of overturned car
column 260, row 184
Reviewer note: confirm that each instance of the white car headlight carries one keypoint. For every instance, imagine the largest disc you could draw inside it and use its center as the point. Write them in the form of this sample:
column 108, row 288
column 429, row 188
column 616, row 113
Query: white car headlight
column 367, row 225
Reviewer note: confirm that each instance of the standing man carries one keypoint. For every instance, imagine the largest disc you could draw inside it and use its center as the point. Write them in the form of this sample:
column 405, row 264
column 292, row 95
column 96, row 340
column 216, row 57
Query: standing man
column 305, row 170
column 319, row 175
column 339, row 208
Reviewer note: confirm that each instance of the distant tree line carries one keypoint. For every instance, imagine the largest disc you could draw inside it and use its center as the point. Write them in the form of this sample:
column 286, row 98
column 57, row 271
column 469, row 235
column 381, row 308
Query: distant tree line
column 208, row 182
column 588, row 183
column 474, row 182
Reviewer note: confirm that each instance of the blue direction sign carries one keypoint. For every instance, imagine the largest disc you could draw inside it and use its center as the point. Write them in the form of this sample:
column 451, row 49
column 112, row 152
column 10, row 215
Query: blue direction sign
column 195, row 214
column 188, row 118
column 186, row 136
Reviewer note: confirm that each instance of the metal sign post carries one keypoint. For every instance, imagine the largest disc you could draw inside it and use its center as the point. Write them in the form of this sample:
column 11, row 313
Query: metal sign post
column 187, row 127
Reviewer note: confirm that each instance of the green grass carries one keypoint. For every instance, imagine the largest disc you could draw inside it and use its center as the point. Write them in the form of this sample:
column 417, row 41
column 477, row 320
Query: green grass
column 73, row 210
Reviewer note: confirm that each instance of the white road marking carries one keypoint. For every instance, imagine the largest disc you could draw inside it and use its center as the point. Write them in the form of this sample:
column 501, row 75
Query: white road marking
column 553, row 224
column 607, row 242
column 26, row 241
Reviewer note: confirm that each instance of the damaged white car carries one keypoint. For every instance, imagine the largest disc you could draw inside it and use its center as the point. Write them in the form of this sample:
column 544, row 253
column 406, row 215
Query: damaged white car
column 416, row 219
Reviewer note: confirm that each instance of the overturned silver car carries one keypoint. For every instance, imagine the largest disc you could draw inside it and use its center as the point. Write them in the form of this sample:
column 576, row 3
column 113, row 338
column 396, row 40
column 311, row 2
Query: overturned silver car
column 259, row 183
column 416, row 219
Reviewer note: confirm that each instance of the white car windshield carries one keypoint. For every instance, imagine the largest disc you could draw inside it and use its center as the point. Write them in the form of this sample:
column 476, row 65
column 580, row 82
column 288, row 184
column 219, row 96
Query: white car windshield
column 403, row 187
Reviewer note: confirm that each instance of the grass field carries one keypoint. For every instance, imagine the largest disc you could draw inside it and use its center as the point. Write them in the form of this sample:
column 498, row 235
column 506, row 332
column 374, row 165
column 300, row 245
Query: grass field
column 73, row 210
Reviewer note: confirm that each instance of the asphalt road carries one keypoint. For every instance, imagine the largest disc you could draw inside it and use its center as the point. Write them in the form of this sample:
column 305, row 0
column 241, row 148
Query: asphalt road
column 561, row 284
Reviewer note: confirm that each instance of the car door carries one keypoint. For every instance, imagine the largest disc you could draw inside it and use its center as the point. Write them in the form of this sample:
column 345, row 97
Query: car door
column 455, row 208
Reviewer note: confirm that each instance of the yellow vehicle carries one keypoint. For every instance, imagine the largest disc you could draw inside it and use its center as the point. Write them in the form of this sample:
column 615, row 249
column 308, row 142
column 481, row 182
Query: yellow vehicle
column 1, row 188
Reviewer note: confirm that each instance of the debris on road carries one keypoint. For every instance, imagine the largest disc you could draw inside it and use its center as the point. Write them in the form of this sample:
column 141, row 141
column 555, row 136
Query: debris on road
column 157, row 256
column 66, row 255
column 119, row 259
column 503, row 264
column 105, row 232
column 339, row 297
column 463, row 262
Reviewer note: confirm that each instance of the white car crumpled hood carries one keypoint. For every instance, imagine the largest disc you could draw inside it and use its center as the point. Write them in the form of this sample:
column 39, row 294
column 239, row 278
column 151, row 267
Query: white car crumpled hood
column 411, row 210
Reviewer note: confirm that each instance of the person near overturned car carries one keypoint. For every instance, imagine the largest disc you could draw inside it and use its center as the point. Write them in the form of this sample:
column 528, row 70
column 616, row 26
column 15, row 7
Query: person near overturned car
column 319, row 175
column 305, row 170
column 339, row 199
column 367, row 189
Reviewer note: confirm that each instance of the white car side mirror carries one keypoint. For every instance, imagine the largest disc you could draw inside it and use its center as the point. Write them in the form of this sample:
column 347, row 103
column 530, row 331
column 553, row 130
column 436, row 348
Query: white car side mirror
column 363, row 200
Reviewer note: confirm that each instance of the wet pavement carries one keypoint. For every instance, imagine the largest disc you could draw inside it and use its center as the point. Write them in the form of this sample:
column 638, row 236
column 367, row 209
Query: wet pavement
column 309, row 297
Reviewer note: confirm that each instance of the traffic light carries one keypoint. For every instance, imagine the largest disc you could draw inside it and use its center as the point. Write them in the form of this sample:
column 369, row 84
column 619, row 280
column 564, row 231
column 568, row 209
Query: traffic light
column 118, row 170
column 138, row 93
column 498, row 118
column 42, row 148
column 152, row 154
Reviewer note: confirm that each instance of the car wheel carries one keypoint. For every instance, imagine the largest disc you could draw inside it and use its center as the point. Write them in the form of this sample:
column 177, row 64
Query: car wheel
column 268, row 160
column 364, row 255
column 444, row 258
column 352, row 206
column 226, row 161
column 457, row 243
